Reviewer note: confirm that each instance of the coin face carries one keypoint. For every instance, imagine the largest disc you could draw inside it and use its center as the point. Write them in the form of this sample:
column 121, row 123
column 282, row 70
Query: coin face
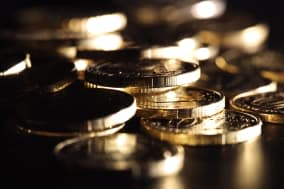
column 76, row 111
column 270, row 106
column 227, row 127
column 143, row 156
column 182, row 102
column 269, row 63
column 144, row 73
column 233, row 84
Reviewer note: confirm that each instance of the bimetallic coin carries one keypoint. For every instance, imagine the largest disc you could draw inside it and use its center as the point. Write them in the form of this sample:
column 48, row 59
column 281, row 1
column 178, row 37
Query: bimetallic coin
column 75, row 111
column 142, row 156
column 181, row 103
column 146, row 73
column 270, row 106
column 227, row 127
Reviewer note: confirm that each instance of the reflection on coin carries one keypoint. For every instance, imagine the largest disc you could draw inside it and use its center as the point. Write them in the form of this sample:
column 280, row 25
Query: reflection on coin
column 181, row 102
column 144, row 157
column 269, row 63
column 75, row 111
column 146, row 73
column 233, row 84
column 227, row 127
column 270, row 106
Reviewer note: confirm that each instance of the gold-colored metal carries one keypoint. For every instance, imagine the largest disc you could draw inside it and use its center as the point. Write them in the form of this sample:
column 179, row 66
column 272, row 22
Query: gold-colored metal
column 145, row 73
column 227, row 127
column 269, row 106
column 136, row 153
column 73, row 113
column 181, row 102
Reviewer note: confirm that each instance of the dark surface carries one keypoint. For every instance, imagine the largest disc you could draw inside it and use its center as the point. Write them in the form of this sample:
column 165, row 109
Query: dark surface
column 257, row 164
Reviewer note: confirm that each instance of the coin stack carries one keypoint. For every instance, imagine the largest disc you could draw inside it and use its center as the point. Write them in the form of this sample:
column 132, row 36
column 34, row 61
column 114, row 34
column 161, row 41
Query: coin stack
column 177, row 68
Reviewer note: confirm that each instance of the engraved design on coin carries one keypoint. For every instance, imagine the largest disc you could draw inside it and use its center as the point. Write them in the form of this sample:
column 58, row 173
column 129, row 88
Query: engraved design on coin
column 265, row 103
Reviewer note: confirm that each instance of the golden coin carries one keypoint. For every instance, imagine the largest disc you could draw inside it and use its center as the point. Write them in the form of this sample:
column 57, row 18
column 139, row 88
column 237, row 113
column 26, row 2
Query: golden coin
column 181, row 102
column 269, row 106
column 227, row 127
column 143, row 156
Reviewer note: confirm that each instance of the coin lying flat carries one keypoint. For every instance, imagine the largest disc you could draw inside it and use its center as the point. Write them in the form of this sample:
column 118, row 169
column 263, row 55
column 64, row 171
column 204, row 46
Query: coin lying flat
column 236, row 30
column 75, row 111
column 140, row 155
column 269, row 63
column 227, row 127
column 146, row 73
column 233, row 84
column 182, row 102
column 267, row 105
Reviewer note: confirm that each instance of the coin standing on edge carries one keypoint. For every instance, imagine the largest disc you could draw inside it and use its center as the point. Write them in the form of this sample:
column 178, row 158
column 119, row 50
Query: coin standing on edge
column 80, row 111
column 227, row 127
column 142, row 156
column 182, row 102
column 269, row 106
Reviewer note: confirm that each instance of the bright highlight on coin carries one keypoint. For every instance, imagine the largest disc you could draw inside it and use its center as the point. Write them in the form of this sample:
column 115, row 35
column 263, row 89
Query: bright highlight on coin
column 181, row 102
column 122, row 152
column 75, row 112
column 146, row 73
column 227, row 127
column 269, row 106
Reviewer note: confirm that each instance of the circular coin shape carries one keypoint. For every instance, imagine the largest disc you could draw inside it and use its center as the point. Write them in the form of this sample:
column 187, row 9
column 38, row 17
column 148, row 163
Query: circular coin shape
column 270, row 106
column 75, row 111
column 269, row 63
column 182, row 102
column 233, row 84
column 144, row 157
column 146, row 73
column 227, row 127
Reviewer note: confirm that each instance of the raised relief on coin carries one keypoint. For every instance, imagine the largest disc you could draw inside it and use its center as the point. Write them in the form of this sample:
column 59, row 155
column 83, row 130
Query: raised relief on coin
column 145, row 73
column 270, row 106
column 182, row 102
column 142, row 156
column 226, row 127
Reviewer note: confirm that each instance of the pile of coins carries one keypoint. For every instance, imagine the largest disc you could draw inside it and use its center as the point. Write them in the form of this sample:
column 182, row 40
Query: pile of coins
column 191, row 73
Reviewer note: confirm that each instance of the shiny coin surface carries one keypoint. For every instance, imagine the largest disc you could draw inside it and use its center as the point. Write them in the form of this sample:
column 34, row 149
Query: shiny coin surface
column 182, row 102
column 142, row 156
column 233, row 84
column 227, row 127
column 269, row 63
column 146, row 73
column 270, row 106
column 75, row 111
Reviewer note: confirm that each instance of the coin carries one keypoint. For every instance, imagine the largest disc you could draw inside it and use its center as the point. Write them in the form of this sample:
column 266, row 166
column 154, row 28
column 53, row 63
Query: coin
column 75, row 111
column 269, row 106
column 227, row 127
column 146, row 73
column 269, row 63
column 233, row 84
column 235, row 30
column 142, row 156
column 181, row 102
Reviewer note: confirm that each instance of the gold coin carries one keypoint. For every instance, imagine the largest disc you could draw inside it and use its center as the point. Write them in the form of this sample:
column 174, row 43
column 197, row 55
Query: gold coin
column 143, row 156
column 227, row 127
column 146, row 73
column 181, row 102
column 74, row 112
column 269, row 106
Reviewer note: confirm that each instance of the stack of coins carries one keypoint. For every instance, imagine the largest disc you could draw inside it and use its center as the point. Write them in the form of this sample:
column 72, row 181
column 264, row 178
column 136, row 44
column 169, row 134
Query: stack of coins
column 175, row 68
